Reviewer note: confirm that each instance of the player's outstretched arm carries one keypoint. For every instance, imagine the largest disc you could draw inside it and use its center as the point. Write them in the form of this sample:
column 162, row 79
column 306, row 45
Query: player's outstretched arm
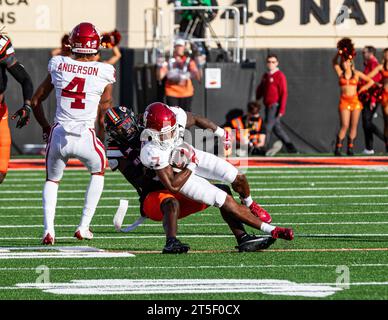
column 199, row 121
column 205, row 123
column 106, row 102
column 23, row 78
column 39, row 96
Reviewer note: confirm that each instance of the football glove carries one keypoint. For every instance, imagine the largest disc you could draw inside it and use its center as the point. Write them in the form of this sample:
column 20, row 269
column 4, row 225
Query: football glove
column 24, row 116
column 182, row 156
column 226, row 137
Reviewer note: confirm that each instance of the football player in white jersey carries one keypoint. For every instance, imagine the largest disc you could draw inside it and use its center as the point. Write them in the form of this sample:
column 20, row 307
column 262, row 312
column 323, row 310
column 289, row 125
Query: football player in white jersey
column 163, row 150
column 83, row 90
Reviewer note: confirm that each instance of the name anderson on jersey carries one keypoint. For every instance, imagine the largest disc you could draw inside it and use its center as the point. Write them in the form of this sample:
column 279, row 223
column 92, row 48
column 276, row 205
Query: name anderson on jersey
column 72, row 68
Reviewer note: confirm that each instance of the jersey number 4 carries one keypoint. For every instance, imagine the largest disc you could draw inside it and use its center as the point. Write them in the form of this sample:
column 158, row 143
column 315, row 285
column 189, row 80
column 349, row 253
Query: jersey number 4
column 78, row 94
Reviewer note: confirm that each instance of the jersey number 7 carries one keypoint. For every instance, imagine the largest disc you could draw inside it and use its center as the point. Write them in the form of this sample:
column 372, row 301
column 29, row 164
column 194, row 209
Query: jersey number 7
column 78, row 95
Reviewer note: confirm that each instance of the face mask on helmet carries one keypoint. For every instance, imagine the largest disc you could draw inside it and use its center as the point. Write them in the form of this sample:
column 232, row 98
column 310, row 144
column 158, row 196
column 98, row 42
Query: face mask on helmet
column 121, row 125
column 166, row 138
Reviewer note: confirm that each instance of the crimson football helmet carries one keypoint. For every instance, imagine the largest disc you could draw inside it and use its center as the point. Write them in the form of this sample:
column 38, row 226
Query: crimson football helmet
column 85, row 39
column 160, row 125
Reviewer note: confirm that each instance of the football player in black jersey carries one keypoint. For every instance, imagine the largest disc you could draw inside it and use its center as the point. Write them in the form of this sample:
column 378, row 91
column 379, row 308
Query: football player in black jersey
column 8, row 62
column 156, row 203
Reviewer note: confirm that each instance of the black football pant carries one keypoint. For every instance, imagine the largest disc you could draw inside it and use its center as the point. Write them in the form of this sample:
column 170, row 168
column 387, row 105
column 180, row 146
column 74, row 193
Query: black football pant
column 274, row 125
column 369, row 127
column 184, row 103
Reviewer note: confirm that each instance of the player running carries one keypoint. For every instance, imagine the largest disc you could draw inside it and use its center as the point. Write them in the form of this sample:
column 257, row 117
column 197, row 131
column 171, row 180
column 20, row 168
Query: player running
column 164, row 149
column 84, row 93
column 157, row 203
column 9, row 62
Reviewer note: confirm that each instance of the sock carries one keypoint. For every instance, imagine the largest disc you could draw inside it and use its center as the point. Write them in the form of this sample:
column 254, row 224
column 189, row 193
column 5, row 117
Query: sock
column 248, row 201
column 50, row 194
column 92, row 196
column 267, row 228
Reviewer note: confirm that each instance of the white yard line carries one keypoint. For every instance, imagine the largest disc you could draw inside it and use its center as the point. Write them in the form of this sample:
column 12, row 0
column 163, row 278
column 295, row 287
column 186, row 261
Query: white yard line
column 292, row 183
column 252, row 189
column 99, row 215
column 352, row 204
column 58, row 207
column 159, row 225
column 249, row 174
column 67, row 199
column 312, row 176
column 196, row 236
column 239, row 266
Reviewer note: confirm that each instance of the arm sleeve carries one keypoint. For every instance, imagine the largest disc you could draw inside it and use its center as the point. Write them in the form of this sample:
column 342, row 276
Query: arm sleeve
column 283, row 94
column 20, row 74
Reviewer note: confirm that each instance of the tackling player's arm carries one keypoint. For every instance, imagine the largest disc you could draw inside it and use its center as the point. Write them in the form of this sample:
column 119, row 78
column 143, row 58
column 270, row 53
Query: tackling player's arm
column 23, row 78
column 199, row 121
column 39, row 96
column 105, row 103
column 160, row 162
column 172, row 181
column 204, row 123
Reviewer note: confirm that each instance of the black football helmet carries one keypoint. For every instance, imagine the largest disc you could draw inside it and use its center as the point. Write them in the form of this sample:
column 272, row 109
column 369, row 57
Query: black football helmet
column 122, row 125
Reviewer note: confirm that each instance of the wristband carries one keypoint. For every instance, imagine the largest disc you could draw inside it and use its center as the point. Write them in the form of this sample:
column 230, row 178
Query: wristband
column 28, row 107
column 219, row 132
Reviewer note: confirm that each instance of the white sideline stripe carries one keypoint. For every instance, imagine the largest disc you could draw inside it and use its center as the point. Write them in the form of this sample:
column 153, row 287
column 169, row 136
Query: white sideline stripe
column 254, row 190
column 158, row 225
column 312, row 176
column 66, row 191
column 269, row 177
column 58, row 207
column 103, row 215
column 240, row 266
column 65, row 199
column 316, row 182
column 196, row 236
column 319, row 189
column 137, row 206
column 63, row 255
column 320, row 204
column 69, row 184
column 292, row 169
column 303, row 170
column 339, row 196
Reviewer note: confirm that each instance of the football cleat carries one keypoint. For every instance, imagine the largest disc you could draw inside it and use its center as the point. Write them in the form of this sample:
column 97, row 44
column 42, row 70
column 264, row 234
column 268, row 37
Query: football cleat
column 252, row 243
column 260, row 212
column 83, row 234
column 174, row 246
column 283, row 233
column 48, row 240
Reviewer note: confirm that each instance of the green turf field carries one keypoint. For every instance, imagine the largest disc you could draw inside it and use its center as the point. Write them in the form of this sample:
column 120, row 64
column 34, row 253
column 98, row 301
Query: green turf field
column 329, row 208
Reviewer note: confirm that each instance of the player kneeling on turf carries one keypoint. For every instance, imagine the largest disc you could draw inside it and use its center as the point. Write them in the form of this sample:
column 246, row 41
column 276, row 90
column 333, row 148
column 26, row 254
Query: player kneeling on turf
column 156, row 202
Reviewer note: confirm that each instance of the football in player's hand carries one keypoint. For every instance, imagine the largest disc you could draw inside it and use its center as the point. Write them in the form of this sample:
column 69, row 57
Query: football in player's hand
column 181, row 156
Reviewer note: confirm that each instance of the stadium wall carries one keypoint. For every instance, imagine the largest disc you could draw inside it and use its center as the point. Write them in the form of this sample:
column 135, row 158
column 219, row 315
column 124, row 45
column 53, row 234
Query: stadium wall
column 312, row 113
